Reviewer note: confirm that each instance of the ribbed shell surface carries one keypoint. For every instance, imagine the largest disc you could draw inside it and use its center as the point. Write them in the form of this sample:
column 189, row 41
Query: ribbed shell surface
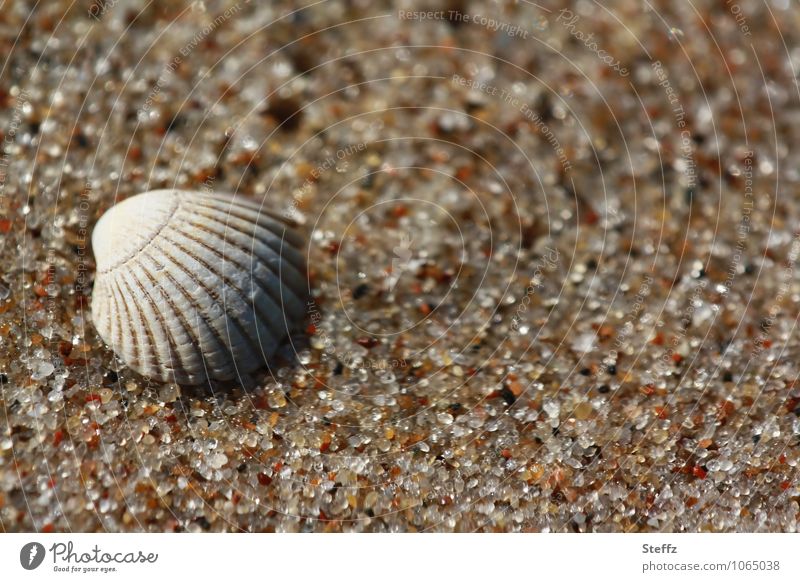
column 192, row 286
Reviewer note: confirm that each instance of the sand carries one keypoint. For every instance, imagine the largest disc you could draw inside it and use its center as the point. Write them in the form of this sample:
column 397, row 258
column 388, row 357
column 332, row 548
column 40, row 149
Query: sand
column 552, row 254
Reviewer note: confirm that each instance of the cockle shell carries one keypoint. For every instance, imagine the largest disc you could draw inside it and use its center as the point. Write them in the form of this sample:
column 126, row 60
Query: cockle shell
column 195, row 286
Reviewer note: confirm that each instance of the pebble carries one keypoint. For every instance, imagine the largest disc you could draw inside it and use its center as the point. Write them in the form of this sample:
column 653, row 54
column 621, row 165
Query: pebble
column 42, row 370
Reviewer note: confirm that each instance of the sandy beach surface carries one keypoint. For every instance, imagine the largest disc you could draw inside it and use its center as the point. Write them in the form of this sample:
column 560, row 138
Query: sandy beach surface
column 552, row 251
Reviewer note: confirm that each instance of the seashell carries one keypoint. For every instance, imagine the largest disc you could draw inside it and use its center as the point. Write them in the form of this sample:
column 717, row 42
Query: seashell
column 195, row 286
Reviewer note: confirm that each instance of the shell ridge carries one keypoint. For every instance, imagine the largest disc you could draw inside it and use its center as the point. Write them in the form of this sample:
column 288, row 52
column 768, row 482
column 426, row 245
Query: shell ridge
column 158, row 362
column 148, row 356
column 261, row 218
column 227, row 346
column 200, row 316
column 267, row 250
column 176, row 205
column 283, row 305
column 298, row 309
column 170, row 350
column 104, row 315
column 234, row 222
column 230, row 345
column 134, row 346
column 291, row 253
column 181, row 367
column 188, row 331
column 227, row 281
column 213, row 200
column 267, row 322
column 234, row 245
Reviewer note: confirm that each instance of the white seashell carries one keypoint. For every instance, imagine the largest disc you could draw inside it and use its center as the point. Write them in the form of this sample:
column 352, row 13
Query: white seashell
column 193, row 286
